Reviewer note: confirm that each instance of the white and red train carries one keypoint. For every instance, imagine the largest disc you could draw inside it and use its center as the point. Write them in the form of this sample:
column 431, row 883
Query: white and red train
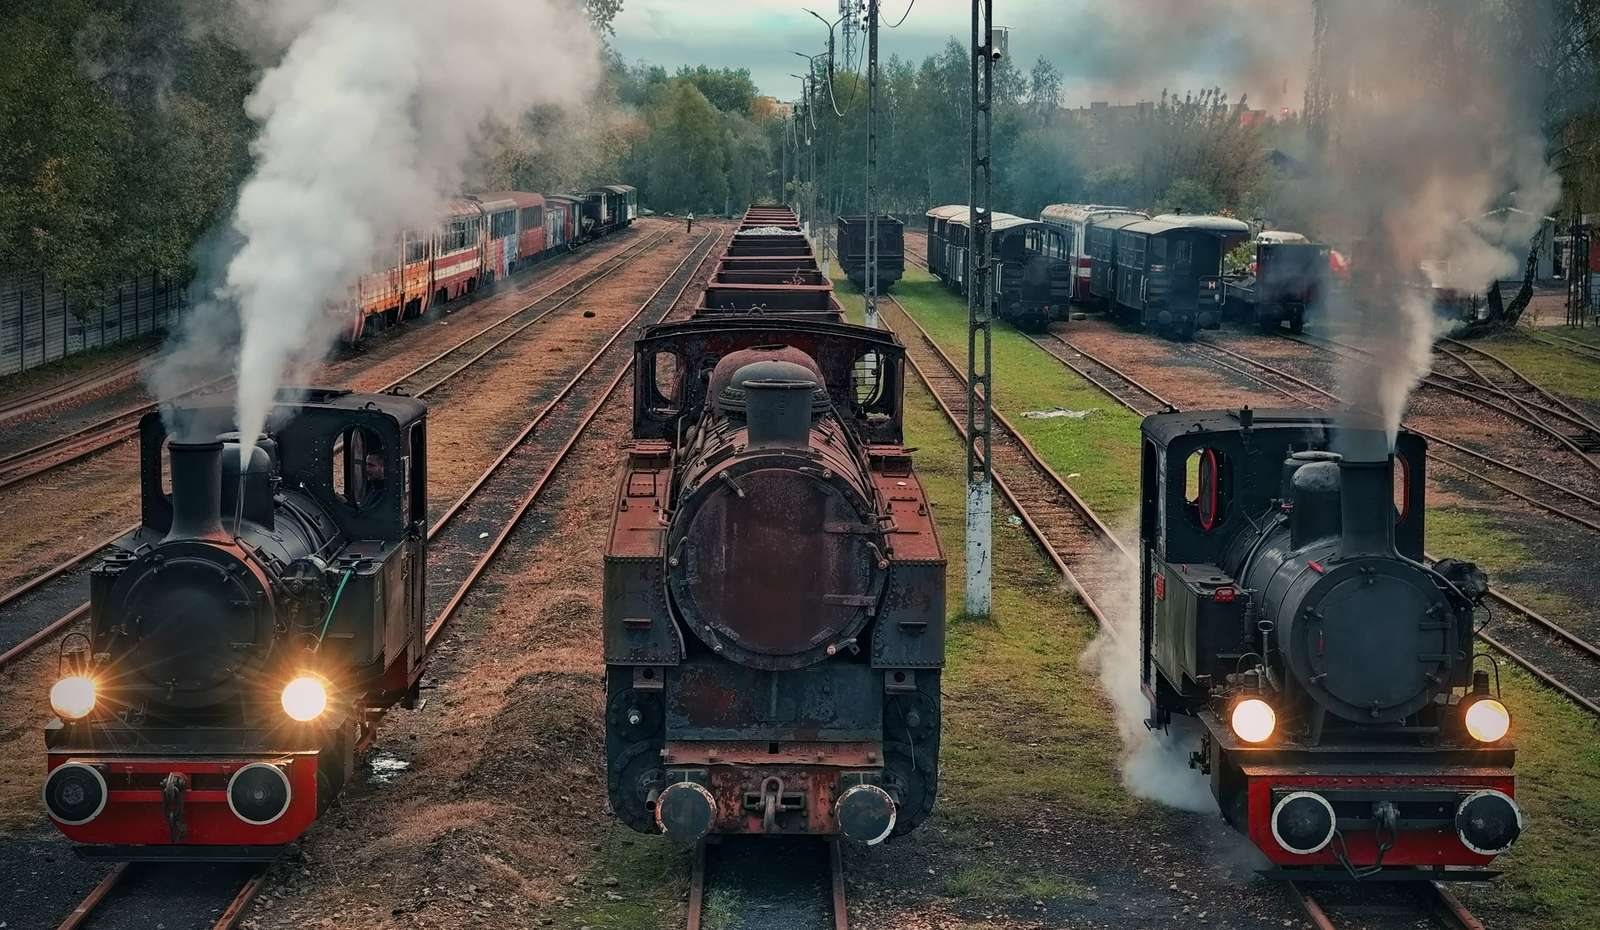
column 484, row 238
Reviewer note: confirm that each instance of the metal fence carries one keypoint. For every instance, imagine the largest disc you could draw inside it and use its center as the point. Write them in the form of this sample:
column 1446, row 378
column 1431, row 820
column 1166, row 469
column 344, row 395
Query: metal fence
column 39, row 324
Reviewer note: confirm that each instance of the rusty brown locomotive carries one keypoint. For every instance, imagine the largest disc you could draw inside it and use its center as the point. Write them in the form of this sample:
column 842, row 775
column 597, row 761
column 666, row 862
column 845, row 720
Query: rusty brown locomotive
column 774, row 588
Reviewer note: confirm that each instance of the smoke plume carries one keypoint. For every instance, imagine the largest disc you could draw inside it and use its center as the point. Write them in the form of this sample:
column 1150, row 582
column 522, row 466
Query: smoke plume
column 1257, row 47
column 1154, row 764
column 368, row 120
column 1428, row 113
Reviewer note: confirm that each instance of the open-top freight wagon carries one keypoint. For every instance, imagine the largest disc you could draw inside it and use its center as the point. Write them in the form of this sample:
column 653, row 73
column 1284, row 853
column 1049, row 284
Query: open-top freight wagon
column 852, row 241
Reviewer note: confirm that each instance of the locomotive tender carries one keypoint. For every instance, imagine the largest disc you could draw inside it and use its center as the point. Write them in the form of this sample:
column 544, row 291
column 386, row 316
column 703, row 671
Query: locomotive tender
column 852, row 240
column 245, row 639
column 774, row 587
column 1286, row 603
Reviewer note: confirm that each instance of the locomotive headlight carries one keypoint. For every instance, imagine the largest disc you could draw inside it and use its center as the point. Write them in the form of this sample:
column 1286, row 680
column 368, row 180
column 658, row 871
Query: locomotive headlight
column 305, row 698
column 1487, row 720
column 73, row 697
column 1253, row 720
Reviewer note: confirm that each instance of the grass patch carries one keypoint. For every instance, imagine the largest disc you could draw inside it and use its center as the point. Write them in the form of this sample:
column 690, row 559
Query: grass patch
column 1098, row 455
column 648, row 872
column 1552, row 368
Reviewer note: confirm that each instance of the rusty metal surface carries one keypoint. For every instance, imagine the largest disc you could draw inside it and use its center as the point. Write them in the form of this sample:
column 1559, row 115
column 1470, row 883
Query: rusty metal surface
column 745, row 752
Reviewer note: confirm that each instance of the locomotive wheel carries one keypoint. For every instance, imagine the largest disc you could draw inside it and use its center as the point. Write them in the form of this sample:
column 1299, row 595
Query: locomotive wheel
column 634, row 775
column 912, row 779
column 634, row 715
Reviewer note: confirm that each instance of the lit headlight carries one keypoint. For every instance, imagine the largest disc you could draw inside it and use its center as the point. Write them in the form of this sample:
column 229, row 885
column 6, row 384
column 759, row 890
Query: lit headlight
column 1487, row 720
column 1253, row 720
column 305, row 698
column 73, row 697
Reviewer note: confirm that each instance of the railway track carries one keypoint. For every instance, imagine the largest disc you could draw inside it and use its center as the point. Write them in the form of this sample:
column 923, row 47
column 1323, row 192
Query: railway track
column 81, row 383
column 1432, row 899
column 796, row 889
column 58, row 590
column 501, row 497
column 475, row 528
column 1089, row 556
column 213, row 896
column 1577, row 429
column 51, row 454
column 1578, row 347
column 1572, row 433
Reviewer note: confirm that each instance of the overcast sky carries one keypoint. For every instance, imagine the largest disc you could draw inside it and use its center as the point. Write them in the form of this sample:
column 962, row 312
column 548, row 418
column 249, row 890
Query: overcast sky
column 761, row 34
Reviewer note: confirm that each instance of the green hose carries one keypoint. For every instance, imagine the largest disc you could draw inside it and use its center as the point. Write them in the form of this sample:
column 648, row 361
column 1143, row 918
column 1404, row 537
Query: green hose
column 328, row 620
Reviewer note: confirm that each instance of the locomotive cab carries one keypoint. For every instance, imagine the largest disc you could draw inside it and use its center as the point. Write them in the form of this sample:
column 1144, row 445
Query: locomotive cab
column 245, row 638
column 1286, row 603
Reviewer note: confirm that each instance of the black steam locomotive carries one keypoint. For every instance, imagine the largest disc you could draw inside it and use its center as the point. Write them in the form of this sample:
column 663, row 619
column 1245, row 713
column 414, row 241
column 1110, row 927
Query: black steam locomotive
column 774, row 588
column 245, row 638
column 1286, row 604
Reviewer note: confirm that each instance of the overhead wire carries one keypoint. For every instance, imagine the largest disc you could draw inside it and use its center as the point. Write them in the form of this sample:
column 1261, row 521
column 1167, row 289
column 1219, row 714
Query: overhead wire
column 905, row 14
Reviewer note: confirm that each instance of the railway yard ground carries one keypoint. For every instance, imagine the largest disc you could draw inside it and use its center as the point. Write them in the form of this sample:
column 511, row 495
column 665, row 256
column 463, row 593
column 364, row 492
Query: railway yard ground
column 486, row 806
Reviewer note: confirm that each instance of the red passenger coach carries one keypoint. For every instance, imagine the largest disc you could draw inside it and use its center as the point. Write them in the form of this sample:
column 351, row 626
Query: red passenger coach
column 561, row 220
column 460, row 248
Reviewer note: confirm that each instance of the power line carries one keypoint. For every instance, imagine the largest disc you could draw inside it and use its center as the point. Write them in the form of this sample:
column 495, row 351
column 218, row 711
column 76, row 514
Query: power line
column 905, row 14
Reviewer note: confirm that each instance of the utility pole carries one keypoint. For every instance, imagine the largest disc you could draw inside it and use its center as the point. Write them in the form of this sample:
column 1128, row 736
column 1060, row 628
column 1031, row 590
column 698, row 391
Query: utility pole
column 872, row 164
column 980, row 480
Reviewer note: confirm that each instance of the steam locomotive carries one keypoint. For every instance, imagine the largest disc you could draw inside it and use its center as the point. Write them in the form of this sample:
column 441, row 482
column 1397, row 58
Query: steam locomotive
column 774, row 588
column 1286, row 604
column 246, row 637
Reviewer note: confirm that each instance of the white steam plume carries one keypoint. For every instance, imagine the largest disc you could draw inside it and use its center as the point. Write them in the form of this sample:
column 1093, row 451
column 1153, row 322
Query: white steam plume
column 367, row 124
column 1433, row 121
column 1154, row 765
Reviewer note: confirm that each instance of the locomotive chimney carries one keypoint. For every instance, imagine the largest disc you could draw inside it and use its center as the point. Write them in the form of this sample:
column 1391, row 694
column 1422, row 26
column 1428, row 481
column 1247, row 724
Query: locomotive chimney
column 1312, row 480
column 196, row 490
column 778, row 412
column 1366, row 496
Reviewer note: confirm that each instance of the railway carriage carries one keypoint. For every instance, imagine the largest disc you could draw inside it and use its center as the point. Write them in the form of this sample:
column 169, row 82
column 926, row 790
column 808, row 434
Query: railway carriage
column 1075, row 221
column 1169, row 272
column 1100, row 244
column 1286, row 603
column 460, row 252
column 563, row 221
column 516, row 230
column 1032, row 275
column 244, row 640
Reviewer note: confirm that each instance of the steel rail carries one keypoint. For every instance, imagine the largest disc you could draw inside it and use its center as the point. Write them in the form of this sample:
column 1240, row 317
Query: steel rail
column 838, row 907
column 1467, row 390
column 957, row 422
column 86, row 381
column 481, row 565
column 1553, row 403
column 97, row 894
column 595, row 273
column 1578, row 347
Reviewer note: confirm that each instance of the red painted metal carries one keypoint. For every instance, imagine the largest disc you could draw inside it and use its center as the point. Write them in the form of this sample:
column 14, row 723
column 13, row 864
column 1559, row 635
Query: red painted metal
column 1411, row 848
column 133, row 813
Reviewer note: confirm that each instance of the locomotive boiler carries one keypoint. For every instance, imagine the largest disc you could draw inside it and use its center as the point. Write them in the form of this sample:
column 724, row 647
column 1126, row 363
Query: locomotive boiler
column 1348, row 729
column 774, row 589
column 244, row 639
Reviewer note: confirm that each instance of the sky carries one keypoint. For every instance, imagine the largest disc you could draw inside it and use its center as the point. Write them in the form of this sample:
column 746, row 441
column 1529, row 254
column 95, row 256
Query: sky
column 762, row 35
